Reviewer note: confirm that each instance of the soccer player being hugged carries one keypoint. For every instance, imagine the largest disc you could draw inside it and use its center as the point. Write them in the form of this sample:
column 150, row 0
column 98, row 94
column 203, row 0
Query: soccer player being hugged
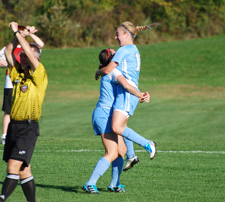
column 127, row 61
column 115, row 147
column 29, row 85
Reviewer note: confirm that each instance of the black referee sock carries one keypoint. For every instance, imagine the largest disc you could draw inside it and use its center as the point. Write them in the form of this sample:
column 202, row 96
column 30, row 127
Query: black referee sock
column 28, row 187
column 9, row 185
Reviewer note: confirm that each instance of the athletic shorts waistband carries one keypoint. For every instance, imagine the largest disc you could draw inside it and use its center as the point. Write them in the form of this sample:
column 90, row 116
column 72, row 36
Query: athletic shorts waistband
column 28, row 121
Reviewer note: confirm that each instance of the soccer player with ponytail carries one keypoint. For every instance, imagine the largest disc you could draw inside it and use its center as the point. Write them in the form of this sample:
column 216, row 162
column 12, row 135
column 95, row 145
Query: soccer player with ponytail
column 127, row 60
column 115, row 148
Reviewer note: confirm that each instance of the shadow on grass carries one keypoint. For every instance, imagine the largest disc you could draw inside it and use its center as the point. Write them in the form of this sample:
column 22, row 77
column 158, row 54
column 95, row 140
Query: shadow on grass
column 75, row 189
column 63, row 188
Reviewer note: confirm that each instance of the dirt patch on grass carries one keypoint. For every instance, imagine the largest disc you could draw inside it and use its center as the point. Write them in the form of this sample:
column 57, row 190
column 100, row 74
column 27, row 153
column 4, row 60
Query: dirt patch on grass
column 173, row 91
column 161, row 91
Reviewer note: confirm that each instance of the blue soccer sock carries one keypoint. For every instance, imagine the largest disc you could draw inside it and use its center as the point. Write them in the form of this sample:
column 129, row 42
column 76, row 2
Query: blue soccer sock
column 134, row 137
column 130, row 148
column 100, row 168
column 117, row 166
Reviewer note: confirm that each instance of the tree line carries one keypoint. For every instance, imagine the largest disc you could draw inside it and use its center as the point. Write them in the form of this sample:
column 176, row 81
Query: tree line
column 83, row 23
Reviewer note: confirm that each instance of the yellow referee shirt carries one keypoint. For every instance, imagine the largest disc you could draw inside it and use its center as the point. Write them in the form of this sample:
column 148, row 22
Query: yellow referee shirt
column 28, row 93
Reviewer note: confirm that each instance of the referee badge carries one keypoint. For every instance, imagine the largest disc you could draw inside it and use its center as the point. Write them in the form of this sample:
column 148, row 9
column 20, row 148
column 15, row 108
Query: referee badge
column 24, row 88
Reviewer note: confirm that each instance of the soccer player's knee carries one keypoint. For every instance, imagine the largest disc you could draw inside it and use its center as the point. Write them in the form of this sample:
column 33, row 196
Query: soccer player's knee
column 116, row 129
column 113, row 155
column 25, row 172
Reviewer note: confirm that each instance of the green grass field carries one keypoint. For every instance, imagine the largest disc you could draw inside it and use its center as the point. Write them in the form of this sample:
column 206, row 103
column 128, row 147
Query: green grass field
column 186, row 117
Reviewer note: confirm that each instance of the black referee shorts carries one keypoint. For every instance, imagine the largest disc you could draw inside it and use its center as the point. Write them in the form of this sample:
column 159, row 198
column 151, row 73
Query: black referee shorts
column 6, row 107
column 20, row 141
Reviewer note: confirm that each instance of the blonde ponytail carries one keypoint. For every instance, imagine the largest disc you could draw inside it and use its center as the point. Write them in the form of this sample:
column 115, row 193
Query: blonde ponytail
column 128, row 26
column 141, row 28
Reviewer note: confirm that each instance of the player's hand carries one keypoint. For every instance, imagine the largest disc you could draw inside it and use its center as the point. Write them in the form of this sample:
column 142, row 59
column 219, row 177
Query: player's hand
column 3, row 63
column 24, row 33
column 97, row 74
column 146, row 97
column 13, row 26
column 31, row 29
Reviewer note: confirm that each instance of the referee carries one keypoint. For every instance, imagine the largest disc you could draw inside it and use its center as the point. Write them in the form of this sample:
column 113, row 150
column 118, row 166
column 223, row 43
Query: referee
column 29, row 85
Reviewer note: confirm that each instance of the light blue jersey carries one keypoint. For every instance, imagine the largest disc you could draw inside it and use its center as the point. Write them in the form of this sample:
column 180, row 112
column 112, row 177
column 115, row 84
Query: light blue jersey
column 102, row 115
column 107, row 92
column 128, row 59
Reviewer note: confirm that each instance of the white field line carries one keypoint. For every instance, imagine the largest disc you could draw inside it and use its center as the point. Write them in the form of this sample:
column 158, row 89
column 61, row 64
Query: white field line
column 87, row 150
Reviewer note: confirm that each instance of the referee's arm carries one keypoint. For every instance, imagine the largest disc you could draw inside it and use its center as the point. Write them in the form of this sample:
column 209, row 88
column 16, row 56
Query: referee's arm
column 10, row 57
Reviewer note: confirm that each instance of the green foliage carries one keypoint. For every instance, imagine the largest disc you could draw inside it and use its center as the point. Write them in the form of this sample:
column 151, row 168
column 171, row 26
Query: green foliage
column 68, row 23
column 54, row 24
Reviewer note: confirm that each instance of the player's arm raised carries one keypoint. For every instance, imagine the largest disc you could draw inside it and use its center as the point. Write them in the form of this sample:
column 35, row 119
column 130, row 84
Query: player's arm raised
column 25, row 46
column 9, row 53
column 31, row 32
